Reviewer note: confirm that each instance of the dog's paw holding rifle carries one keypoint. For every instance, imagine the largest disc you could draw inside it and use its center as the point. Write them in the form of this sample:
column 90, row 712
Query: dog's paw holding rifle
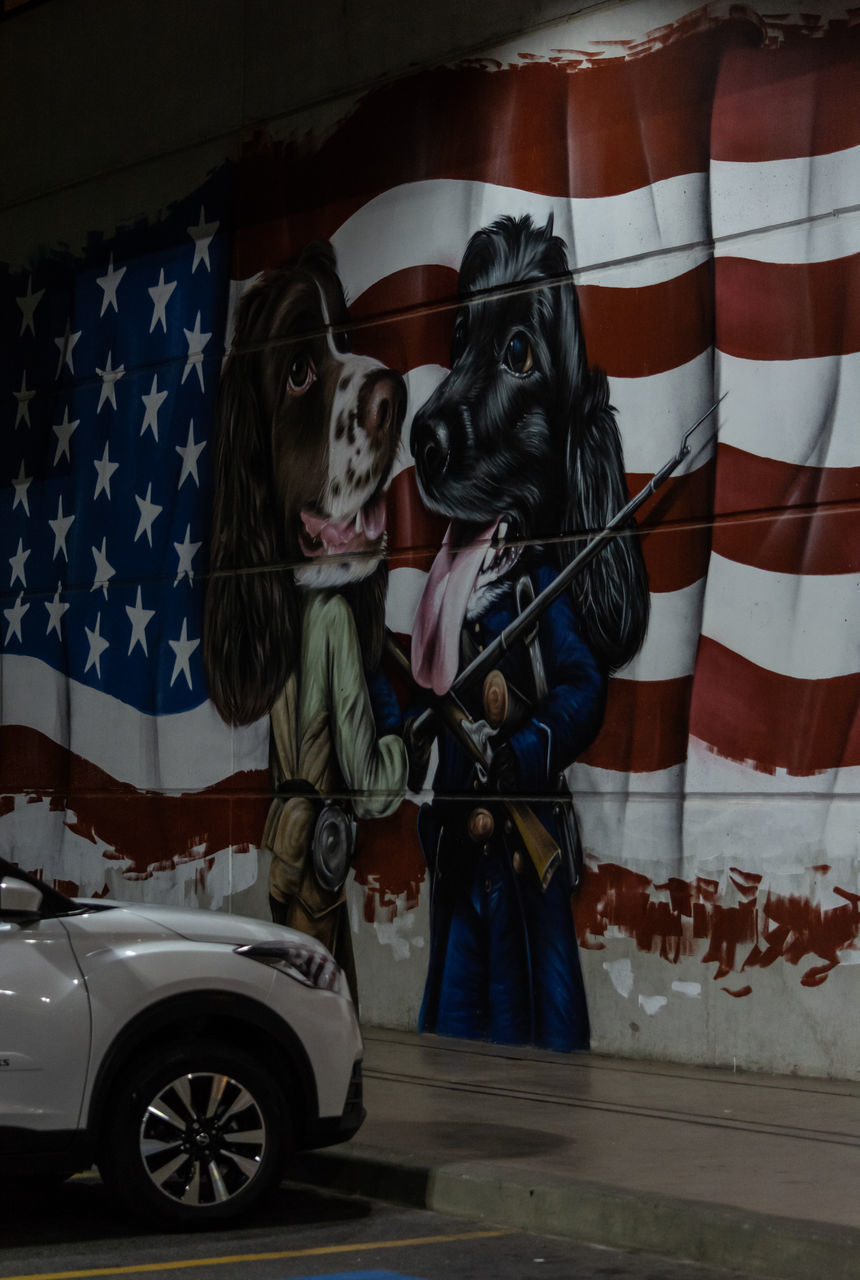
column 418, row 746
column 503, row 774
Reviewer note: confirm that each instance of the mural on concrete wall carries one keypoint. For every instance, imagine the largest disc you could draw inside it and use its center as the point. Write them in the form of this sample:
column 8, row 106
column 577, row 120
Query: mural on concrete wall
column 673, row 205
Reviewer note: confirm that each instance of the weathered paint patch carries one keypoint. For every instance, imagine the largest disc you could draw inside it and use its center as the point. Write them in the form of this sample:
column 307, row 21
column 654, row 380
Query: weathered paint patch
column 688, row 918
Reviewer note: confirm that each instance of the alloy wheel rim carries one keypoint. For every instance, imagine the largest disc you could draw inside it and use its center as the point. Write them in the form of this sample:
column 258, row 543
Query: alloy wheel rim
column 202, row 1139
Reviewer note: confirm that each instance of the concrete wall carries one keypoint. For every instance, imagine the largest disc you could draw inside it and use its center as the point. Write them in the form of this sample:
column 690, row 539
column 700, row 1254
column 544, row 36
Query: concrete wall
column 719, row 919
column 120, row 109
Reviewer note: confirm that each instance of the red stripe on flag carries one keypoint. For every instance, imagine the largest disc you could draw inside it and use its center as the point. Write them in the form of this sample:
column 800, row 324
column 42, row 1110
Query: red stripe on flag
column 146, row 827
column 414, row 287
column 781, row 103
column 645, row 727
column 407, row 319
column 787, row 311
column 632, row 333
column 613, row 127
column 798, row 519
column 772, row 721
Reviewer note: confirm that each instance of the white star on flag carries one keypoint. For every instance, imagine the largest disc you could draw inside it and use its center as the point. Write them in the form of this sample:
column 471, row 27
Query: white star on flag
column 28, row 305
column 23, row 397
column 183, row 649
column 104, row 571
column 152, row 403
column 17, row 562
column 21, row 485
column 186, row 551
column 56, row 609
column 202, row 236
column 67, row 344
column 64, row 431
column 160, row 294
column 148, row 512
column 97, row 644
column 110, row 377
column 13, row 617
column 139, row 618
column 110, row 283
column 189, row 453
column 60, row 527
column 105, row 469
column 196, row 342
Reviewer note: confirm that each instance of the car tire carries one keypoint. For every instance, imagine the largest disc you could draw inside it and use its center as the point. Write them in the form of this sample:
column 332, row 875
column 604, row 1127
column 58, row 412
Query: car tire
column 196, row 1135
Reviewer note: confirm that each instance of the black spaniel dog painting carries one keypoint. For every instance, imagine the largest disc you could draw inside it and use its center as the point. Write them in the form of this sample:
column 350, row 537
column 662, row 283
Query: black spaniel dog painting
column 519, row 448
column 294, row 618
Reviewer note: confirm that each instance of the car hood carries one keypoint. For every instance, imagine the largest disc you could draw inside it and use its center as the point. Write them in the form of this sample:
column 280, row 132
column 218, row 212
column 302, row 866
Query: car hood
column 197, row 924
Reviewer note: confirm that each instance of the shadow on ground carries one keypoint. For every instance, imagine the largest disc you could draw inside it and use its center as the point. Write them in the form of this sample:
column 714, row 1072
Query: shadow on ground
column 45, row 1213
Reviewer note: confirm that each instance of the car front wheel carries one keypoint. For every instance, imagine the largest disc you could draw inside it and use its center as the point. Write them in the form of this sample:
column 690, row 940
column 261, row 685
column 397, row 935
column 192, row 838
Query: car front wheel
column 197, row 1135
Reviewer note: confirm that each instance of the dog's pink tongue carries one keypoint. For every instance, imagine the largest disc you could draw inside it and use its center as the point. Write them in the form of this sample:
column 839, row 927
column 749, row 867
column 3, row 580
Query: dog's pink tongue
column 436, row 632
column 342, row 535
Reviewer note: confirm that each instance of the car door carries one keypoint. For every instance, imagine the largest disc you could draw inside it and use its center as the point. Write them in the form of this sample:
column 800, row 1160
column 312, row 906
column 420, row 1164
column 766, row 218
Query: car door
column 44, row 1027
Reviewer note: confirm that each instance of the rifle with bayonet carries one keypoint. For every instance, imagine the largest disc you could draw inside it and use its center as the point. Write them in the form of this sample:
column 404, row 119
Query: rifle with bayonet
column 476, row 736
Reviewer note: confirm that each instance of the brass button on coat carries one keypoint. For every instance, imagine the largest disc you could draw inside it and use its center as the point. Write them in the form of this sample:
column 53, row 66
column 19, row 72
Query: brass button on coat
column 481, row 824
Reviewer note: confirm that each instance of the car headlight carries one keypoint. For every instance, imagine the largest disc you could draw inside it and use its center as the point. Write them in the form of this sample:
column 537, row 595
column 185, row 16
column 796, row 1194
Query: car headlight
column 306, row 964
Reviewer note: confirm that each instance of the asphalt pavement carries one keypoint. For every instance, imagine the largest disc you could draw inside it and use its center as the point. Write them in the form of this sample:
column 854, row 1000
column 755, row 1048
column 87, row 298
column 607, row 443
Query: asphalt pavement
column 752, row 1172
column 299, row 1233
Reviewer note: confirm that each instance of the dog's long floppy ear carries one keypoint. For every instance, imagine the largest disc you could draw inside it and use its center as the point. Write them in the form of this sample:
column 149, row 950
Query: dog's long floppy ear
column 250, row 621
column 611, row 594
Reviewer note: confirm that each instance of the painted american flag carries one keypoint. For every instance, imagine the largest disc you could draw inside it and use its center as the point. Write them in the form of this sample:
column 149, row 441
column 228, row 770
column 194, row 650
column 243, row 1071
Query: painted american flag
column 705, row 175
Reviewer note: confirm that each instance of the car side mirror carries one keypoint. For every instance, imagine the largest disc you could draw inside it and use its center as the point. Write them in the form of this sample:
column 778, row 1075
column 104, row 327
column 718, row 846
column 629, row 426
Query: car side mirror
column 19, row 898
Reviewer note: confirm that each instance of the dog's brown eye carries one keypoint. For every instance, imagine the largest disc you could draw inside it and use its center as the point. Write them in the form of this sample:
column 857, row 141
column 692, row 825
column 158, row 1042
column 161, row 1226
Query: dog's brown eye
column 518, row 355
column 301, row 374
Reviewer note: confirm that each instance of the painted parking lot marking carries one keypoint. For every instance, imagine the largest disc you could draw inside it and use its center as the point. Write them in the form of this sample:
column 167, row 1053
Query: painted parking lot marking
column 320, row 1251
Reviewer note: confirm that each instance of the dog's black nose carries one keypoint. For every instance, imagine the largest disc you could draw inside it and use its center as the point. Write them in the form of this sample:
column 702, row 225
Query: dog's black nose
column 431, row 449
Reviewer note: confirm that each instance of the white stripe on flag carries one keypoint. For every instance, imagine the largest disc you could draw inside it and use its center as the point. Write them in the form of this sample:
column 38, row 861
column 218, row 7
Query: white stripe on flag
column 710, row 773
column 800, row 626
column 179, row 753
column 814, row 401
column 670, row 644
column 430, row 222
column 836, row 235
column 746, row 197
column 655, row 412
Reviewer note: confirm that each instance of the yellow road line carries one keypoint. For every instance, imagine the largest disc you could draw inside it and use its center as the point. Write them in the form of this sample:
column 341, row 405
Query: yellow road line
column 319, row 1251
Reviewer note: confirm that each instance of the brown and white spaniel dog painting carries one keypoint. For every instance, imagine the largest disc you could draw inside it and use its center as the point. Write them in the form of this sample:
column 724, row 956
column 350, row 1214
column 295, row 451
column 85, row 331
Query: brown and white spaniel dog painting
column 306, row 437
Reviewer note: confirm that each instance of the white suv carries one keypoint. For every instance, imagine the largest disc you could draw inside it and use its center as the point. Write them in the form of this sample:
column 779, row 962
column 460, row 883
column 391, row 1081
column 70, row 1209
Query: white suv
column 186, row 1052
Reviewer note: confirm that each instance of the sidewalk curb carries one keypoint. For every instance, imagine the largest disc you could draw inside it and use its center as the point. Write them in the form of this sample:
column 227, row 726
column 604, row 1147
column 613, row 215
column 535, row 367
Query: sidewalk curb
column 713, row 1235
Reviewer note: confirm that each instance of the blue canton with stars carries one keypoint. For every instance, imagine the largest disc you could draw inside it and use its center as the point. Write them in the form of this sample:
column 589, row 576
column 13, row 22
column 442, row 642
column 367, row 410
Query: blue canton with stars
column 109, row 369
